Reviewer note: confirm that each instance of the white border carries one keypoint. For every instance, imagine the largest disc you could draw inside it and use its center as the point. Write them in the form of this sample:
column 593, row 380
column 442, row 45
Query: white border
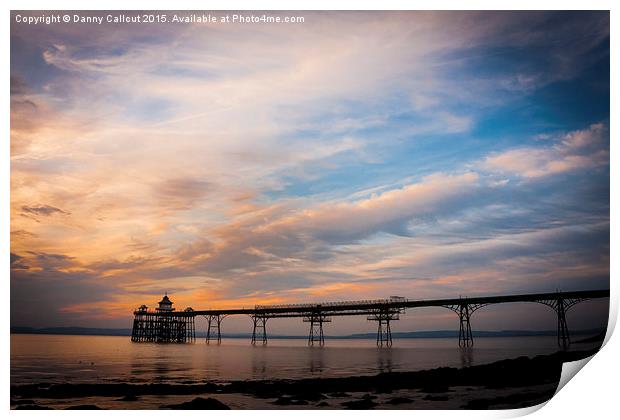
column 592, row 394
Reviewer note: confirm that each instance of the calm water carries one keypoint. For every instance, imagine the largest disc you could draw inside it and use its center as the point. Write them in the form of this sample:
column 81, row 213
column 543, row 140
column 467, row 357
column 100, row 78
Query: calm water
column 76, row 359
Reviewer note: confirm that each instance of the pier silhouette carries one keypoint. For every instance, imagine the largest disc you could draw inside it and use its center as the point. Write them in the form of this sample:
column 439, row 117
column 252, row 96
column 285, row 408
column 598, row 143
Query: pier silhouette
column 166, row 325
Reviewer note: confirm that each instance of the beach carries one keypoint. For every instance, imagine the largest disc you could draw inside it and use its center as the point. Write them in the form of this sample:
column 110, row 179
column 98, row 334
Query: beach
column 512, row 383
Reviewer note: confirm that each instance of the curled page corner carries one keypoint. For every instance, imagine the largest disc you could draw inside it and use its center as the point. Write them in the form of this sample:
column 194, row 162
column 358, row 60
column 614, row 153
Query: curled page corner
column 526, row 411
column 611, row 325
column 569, row 370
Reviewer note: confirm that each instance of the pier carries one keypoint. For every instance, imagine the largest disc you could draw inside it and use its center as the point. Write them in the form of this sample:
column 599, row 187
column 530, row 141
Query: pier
column 167, row 325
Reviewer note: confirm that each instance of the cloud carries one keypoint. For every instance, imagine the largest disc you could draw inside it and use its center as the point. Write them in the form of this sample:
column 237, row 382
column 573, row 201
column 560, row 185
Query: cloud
column 16, row 262
column 385, row 212
column 277, row 234
column 37, row 296
column 18, row 85
column 577, row 150
column 42, row 210
column 22, row 233
column 49, row 262
column 591, row 137
column 182, row 192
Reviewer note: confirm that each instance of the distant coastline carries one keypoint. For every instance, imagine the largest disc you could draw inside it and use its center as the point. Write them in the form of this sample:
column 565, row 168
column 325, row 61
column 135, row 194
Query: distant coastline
column 372, row 335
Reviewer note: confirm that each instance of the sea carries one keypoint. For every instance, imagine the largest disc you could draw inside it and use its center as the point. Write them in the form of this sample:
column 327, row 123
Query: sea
column 43, row 358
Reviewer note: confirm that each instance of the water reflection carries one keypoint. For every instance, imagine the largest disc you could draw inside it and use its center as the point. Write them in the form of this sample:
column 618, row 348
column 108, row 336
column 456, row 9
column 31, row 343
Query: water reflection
column 259, row 364
column 467, row 356
column 137, row 368
column 317, row 359
column 385, row 359
column 38, row 358
column 161, row 369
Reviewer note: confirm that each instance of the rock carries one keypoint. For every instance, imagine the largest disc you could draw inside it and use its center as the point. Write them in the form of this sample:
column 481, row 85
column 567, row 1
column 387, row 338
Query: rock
column 339, row 395
column 268, row 393
column 289, row 401
column 22, row 402
column 84, row 407
column 399, row 400
column 199, row 404
column 526, row 399
column 476, row 405
column 363, row 404
column 435, row 389
column 128, row 398
column 32, row 407
column 309, row 396
column 436, row 398
column 323, row 404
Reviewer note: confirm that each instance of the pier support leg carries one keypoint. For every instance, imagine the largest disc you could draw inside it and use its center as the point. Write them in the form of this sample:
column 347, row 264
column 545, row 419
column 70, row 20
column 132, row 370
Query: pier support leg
column 136, row 333
column 466, row 339
column 316, row 332
column 213, row 328
column 145, row 327
column 563, row 336
column 259, row 330
column 316, row 335
column 384, row 331
column 189, row 329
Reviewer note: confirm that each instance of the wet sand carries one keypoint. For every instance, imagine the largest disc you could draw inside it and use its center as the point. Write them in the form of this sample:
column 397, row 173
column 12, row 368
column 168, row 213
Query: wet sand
column 513, row 383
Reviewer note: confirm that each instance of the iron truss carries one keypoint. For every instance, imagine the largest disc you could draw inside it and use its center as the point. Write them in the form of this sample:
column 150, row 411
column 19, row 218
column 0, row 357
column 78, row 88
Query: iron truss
column 465, row 310
column 214, row 331
column 561, row 305
column 316, row 320
column 383, row 315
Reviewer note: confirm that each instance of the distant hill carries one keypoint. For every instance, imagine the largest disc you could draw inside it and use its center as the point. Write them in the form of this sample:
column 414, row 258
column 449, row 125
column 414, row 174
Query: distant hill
column 71, row 331
column 455, row 334
column 372, row 335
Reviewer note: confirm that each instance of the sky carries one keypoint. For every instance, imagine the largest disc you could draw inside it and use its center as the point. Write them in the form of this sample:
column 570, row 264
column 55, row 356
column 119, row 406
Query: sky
column 356, row 155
